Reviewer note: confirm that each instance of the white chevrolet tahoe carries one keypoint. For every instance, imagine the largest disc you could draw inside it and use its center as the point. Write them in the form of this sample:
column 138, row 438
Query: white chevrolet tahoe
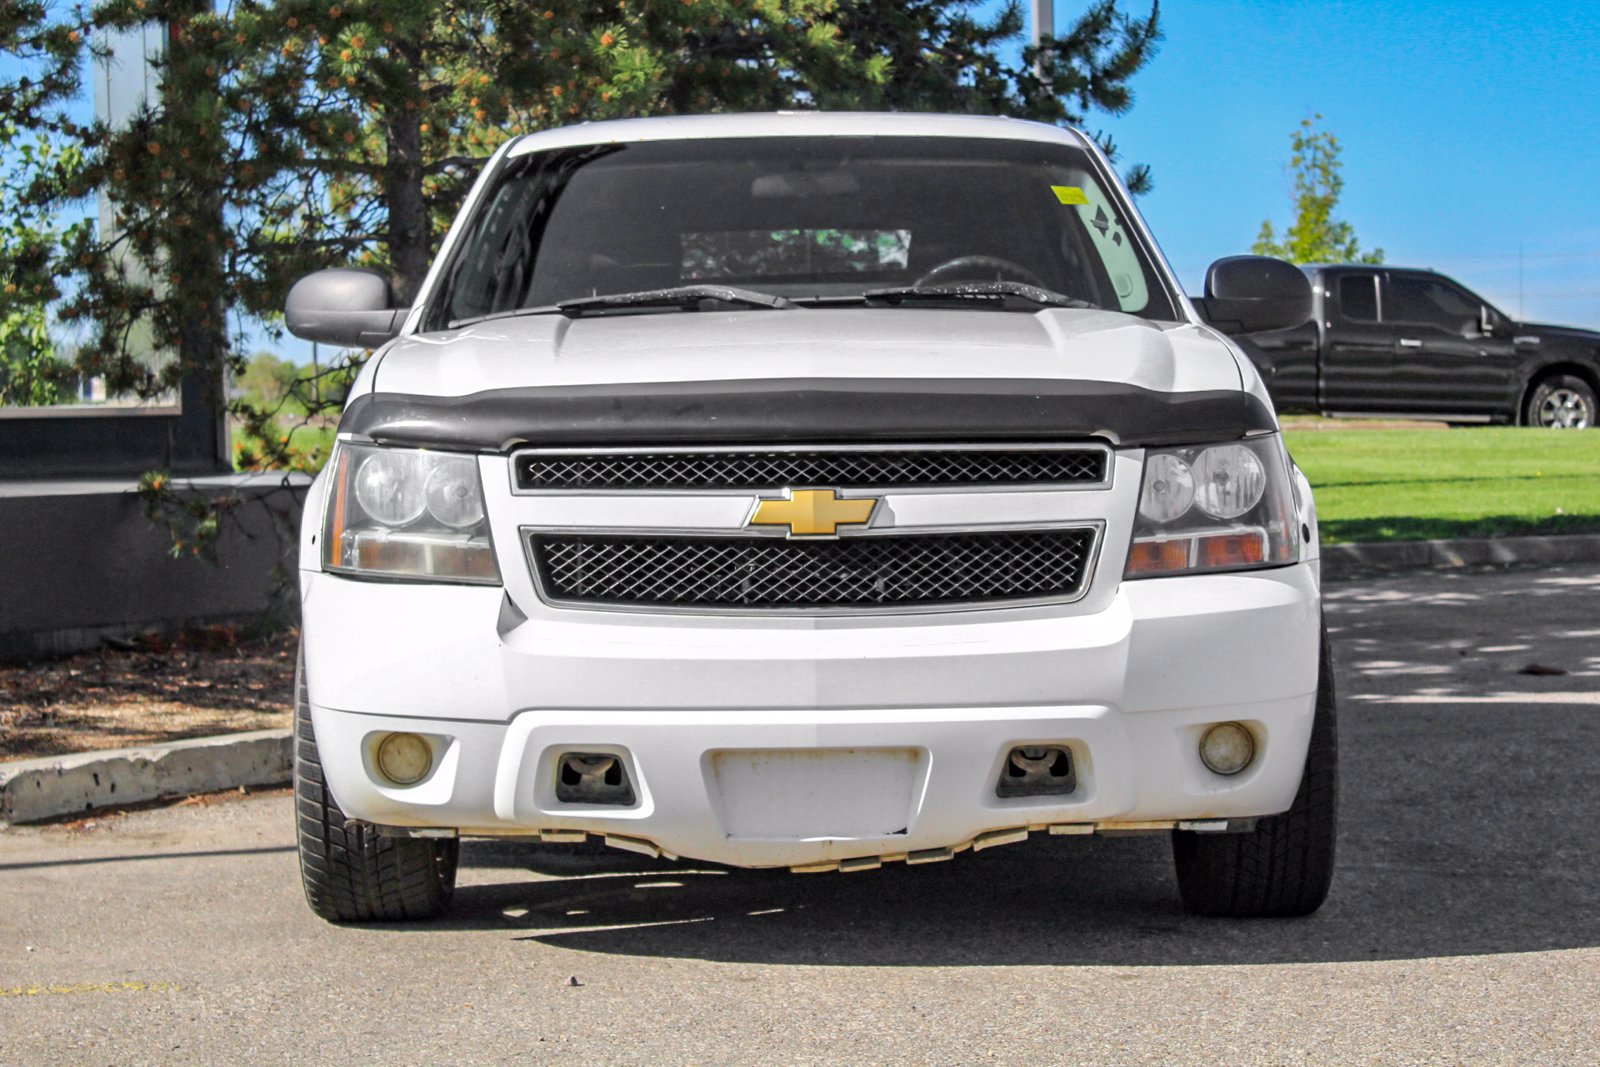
column 813, row 491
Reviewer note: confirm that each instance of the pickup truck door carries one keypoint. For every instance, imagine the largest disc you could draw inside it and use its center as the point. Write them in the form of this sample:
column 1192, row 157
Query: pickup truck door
column 1444, row 363
column 1287, row 360
column 1358, row 348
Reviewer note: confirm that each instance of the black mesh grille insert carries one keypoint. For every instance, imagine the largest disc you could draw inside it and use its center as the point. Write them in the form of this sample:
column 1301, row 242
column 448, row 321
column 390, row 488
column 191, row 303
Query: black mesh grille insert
column 779, row 468
column 768, row 572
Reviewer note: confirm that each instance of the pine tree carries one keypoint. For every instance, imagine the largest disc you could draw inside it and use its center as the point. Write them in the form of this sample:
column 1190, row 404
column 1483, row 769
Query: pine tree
column 942, row 56
column 301, row 134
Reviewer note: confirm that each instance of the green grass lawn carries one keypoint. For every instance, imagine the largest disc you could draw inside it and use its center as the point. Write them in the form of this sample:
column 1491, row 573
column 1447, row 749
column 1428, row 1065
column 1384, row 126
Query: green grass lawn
column 1405, row 485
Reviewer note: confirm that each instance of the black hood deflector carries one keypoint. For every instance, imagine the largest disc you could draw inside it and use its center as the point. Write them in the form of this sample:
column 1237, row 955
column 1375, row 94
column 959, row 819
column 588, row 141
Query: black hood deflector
column 794, row 410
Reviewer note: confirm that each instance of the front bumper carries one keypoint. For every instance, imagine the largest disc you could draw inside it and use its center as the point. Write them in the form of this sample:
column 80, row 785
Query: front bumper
column 807, row 742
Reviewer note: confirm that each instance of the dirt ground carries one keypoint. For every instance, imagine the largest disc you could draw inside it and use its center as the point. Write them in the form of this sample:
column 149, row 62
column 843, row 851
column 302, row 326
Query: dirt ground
column 147, row 690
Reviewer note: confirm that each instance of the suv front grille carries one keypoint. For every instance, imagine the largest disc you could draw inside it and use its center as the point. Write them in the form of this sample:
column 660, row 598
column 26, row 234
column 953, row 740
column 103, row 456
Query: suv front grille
column 1076, row 465
column 765, row 573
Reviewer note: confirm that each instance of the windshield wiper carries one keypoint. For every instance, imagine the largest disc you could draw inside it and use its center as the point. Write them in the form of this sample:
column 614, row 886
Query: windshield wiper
column 994, row 293
column 687, row 297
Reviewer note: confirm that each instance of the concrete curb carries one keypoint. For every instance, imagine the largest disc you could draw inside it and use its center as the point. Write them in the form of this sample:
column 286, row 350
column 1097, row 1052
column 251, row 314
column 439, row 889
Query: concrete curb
column 31, row 790
column 1344, row 561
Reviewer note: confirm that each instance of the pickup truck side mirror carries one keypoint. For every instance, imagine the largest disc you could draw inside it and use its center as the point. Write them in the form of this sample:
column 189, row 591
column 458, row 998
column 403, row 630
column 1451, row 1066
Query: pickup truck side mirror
column 1490, row 322
column 343, row 306
column 1251, row 294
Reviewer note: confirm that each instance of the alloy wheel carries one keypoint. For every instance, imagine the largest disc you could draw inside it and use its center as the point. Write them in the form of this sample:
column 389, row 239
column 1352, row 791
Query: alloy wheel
column 1565, row 409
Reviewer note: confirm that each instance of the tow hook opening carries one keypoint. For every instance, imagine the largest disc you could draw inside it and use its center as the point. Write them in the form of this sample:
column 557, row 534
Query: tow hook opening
column 593, row 778
column 1036, row 771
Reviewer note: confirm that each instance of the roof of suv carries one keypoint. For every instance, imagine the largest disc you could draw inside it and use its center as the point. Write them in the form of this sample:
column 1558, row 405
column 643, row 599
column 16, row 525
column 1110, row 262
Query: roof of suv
column 795, row 124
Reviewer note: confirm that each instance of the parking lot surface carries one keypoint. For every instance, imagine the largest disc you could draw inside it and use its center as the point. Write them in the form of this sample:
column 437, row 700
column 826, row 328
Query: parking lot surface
column 1463, row 926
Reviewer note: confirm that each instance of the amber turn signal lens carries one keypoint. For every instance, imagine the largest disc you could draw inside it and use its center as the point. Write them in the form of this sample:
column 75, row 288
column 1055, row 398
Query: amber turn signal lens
column 1230, row 550
column 1159, row 557
column 1198, row 552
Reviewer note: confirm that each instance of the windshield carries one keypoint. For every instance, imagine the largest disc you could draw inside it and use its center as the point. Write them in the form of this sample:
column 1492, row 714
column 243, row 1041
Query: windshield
column 818, row 220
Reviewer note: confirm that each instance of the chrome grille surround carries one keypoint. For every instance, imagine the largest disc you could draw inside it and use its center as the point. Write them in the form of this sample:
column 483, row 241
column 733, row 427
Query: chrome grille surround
column 869, row 572
column 1080, row 465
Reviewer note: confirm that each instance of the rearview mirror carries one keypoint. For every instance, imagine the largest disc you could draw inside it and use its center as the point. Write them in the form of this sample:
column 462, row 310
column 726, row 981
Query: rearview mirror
column 1252, row 294
column 343, row 306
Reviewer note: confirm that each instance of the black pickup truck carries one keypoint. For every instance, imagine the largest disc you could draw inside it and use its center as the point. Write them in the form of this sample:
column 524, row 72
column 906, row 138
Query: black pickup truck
column 1400, row 342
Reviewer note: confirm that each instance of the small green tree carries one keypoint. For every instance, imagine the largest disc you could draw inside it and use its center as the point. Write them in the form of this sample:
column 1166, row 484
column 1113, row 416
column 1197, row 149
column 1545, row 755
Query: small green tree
column 31, row 370
column 41, row 48
column 1315, row 236
column 267, row 380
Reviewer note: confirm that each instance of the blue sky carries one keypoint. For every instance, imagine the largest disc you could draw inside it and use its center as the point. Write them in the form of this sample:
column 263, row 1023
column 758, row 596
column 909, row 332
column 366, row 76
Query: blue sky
column 1469, row 132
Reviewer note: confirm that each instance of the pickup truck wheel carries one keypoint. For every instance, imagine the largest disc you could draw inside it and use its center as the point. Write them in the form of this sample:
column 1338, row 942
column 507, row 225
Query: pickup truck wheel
column 351, row 873
column 1284, row 866
column 1561, row 402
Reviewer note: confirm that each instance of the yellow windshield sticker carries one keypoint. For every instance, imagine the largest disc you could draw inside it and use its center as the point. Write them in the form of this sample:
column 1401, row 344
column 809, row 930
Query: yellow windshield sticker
column 1069, row 194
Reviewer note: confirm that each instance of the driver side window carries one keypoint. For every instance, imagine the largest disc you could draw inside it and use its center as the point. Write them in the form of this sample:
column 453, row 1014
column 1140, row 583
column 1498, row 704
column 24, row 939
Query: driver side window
column 1430, row 301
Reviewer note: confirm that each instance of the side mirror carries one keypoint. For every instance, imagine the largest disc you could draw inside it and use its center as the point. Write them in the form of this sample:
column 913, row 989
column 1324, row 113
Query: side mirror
column 1488, row 321
column 1252, row 294
column 343, row 306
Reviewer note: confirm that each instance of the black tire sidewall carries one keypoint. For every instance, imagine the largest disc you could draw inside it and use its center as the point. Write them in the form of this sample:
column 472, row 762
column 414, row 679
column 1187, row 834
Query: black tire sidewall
column 1253, row 875
column 356, row 876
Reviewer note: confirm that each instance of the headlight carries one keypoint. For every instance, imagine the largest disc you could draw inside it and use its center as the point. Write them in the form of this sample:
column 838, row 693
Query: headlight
column 1229, row 481
column 453, row 495
column 1168, row 487
column 388, row 490
column 1215, row 508
column 407, row 513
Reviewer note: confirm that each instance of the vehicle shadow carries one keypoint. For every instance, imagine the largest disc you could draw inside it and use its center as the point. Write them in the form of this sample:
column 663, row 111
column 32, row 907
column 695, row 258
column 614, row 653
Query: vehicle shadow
column 1482, row 842
column 1467, row 827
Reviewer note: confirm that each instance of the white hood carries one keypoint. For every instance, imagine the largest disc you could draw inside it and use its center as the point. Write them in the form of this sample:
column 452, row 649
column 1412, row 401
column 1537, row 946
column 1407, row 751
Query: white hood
column 912, row 343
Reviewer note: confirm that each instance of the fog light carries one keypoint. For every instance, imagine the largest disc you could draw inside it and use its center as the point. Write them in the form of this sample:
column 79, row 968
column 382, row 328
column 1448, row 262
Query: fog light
column 404, row 759
column 1227, row 748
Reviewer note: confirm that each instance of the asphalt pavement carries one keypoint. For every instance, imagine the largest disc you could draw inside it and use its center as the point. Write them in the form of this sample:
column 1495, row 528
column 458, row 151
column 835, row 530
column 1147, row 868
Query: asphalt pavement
column 1463, row 926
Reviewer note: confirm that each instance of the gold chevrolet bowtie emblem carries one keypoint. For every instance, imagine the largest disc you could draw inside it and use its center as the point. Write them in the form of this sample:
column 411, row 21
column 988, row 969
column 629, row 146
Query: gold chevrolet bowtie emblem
column 812, row 512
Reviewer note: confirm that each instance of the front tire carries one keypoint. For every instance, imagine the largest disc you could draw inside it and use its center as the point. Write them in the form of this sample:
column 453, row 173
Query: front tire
column 1561, row 402
column 1284, row 866
column 350, row 872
